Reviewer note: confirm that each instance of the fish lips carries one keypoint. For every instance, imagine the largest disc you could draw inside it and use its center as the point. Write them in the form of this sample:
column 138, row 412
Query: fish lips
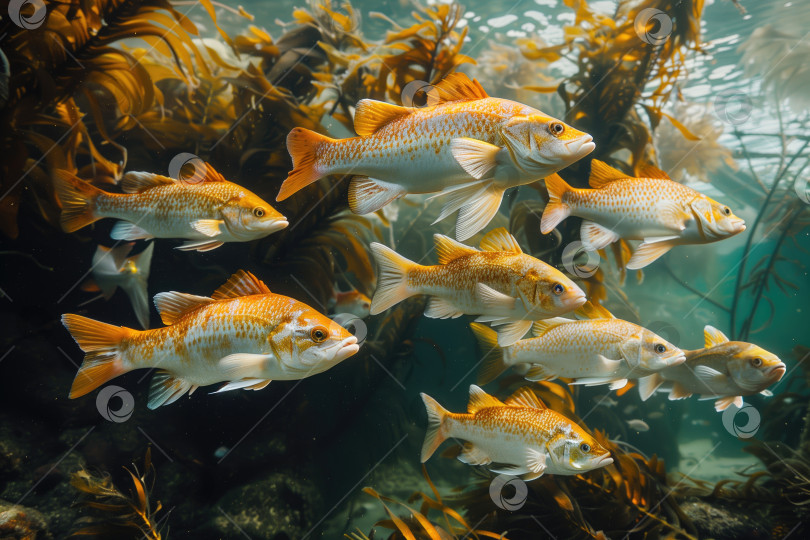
column 575, row 302
column 348, row 347
column 580, row 147
column 776, row 372
column 603, row 461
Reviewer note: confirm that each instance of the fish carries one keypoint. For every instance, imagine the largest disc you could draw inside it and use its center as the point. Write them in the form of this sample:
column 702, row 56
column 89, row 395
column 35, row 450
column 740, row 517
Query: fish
column 499, row 283
column 653, row 208
column 353, row 302
column 638, row 425
column 593, row 351
column 206, row 211
column 520, row 436
column 243, row 335
column 465, row 145
column 723, row 370
column 113, row 268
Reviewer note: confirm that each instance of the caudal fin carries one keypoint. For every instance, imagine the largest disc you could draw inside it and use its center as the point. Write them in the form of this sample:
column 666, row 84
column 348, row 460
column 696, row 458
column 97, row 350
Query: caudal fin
column 103, row 360
column 392, row 278
column 77, row 198
column 556, row 210
column 302, row 144
column 434, row 436
column 492, row 364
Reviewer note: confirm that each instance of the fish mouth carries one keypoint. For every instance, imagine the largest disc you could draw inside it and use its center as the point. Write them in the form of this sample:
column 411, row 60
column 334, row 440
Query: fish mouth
column 776, row 372
column 278, row 225
column 575, row 302
column 348, row 347
column 603, row 461
column 675, row 359
column 738, row 226
column 580, row 147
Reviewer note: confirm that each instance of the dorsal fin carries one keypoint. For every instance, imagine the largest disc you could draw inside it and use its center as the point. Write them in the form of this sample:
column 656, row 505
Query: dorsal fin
column 713, row 337
column 602, row 174
column 212, row 175
column 173, row 305
column 459, row 87
column 541, row 327
column 589, row 310
column 137, row 181
column 481, row 400
column 525, row 397
column 500, row 240
column 241, row 283
column 449, row 250
column 651, row 171
column 371, row 115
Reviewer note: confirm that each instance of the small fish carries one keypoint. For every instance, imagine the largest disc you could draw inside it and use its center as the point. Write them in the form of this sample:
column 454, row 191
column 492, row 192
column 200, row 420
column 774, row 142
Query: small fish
column 243, row 335
column 465, row 145
column 638, row 425
column 112, row 268
column 723, row 370
column 353, row 302
column 499, row 282
column 654, row 209
column 208, row 212
column 701, row 422
column 593, row 351
column 656, row 415
column 521, row 435
column 606, row 401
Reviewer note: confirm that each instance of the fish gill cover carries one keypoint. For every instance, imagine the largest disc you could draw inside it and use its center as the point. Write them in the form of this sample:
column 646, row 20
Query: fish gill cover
column 575, row 141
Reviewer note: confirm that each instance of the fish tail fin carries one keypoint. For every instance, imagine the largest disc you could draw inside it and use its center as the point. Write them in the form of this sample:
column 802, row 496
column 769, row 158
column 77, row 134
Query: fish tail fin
column 493, row 363
column 78, row 200
column 103, row 360
column 302, row 144
column 434, row 436
column 392, row 280
column 556, row 210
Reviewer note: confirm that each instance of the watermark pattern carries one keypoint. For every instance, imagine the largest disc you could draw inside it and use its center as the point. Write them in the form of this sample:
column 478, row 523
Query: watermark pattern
column 28, row 21
column 666, row 330
column 572, row 252
column 802, row 188
column 733, row 107
column 188, row 168
column 653, row 26
column 419, row 94
column 123, row 412
column 732, row 425
column 516, row 501
column 353, row 324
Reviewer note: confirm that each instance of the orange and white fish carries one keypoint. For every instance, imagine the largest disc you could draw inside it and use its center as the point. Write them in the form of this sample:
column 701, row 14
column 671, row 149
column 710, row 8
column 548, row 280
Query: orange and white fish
column 522, row 435
column 353, row 302
column 591, row 351
column 243, row 335
column 499, row 282
column 465, row 144
column 112, row 268
column 662, row 213
column 207, row 213
column 723, row 370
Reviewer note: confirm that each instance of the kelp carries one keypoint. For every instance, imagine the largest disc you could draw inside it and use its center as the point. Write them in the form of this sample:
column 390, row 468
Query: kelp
column 115, row 514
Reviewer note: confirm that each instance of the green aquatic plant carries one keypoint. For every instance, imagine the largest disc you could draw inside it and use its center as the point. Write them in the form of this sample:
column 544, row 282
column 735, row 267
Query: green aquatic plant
column 115, row 514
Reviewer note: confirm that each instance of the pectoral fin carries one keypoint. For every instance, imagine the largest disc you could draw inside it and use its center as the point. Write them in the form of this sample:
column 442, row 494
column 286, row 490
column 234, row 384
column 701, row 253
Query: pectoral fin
column 123, row 230
column 478, row 203
column 239, row 366
column 509, row 334
column 648, row 251
column 472, row 455
column 595, row 236
column 476, row 157
column 709, row 376
column 367, row 195
column 208, row 227
column 536, row 462
column 492, row 300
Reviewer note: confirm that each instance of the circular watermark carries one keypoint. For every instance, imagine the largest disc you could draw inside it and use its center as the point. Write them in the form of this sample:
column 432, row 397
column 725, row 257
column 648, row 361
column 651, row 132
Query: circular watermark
column 419, row 94
column 665, row 330
column 353, row 324
column 572, row 262
column 652, row 26
column 733, row 425
column 517, row 500
column 188, row 168
column 104, row 405
column 802, row 188
column 30, row 20
column 733, row 106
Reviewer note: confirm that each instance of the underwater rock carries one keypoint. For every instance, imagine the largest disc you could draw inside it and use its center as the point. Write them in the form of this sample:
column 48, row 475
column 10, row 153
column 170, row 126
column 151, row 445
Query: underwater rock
column 722, row 522
column 20, row 522
column 279, row 506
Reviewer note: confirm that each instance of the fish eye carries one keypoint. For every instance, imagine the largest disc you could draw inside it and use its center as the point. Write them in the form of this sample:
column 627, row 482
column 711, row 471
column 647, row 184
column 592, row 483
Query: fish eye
column 318, row 334
column 258, row 212
column 558, row 289
column 556, row 128
column 756, row 362
column 660, row 348
column 727, row 210
column 585, row 447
